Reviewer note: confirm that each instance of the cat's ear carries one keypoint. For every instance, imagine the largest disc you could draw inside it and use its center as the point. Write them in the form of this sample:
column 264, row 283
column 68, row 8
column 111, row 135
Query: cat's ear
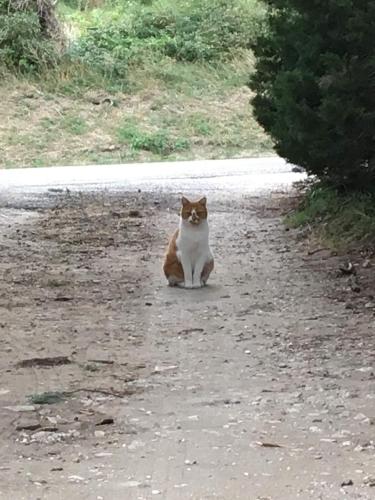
column 184, row 201
column 203, row 201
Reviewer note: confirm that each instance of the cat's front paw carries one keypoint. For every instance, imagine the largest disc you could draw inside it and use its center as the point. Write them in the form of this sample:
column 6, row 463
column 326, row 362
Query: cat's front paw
column 188, row 285
column 197, row 285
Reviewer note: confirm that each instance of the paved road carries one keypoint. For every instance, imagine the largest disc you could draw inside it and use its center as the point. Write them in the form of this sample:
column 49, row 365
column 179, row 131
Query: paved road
column 254, row 175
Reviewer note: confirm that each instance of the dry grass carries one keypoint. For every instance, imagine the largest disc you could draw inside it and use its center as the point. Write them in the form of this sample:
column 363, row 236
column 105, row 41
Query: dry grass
column 197, row 118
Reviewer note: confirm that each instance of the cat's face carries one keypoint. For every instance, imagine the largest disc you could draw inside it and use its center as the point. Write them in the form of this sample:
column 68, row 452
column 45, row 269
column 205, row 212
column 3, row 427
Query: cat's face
column 194, row 212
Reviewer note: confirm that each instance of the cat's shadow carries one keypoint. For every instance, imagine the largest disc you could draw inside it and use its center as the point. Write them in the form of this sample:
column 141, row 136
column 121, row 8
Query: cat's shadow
column 207, row 290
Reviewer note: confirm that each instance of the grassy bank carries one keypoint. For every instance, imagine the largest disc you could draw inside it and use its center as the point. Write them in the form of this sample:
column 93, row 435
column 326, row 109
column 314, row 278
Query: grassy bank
column 341, row 221
column 136, row 84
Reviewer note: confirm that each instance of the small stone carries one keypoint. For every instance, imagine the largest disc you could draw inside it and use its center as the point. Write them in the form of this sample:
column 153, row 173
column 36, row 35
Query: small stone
column 191, row 462
column 360, row 416
column 106, row 421
column 369, row 481
column 161, row 369
column 315, row 429
column 297, row 170
column 130, row 484
column 99, row 434
column 40, row 482
column 135, row 213
column 75, row 479
column 348, row 482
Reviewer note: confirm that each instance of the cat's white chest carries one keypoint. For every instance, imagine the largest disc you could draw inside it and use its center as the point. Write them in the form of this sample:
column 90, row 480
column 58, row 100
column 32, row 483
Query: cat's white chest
column 192, row 242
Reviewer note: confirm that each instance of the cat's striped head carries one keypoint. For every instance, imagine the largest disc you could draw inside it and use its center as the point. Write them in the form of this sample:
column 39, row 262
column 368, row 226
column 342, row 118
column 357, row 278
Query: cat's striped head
column 194, row 211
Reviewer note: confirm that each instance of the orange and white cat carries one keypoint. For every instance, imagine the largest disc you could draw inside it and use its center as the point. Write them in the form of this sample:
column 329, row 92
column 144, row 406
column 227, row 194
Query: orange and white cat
column 189, row 261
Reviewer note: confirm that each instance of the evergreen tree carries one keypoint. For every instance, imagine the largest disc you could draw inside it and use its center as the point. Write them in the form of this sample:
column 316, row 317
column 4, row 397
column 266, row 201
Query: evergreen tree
column 315, row 87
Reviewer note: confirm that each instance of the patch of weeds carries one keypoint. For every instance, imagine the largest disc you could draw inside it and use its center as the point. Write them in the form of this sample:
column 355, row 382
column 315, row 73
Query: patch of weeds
column 48, row 123
column 55, row 283
column 38, row 162
column 47, row 398
column 91, row 367
column 74, row 78
column 159, row 142
column 201, row 125
column 75, row 125
column 340, row 219
column 15, row 138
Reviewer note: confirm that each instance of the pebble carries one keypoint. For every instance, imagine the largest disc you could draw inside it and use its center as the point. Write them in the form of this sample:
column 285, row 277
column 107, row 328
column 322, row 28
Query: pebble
column 369, row 481
column 161, row 369
column 130, row 484
column 75, row 479
column 190, row 462
column 348, row 482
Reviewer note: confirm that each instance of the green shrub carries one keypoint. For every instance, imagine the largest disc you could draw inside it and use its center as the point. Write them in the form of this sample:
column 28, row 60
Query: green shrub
column 105, row 47
column 211, row 30
column 25, row 42
column 159, row 142
column 314, row 84
column 340, row 219
column 205, row 30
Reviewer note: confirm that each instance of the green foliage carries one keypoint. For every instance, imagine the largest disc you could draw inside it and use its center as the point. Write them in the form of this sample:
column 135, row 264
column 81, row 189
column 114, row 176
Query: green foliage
column 159, row 142
column 105, row 47
column 314, row 84
column 47, row 398
column 74, row 125
column 24, row 45
column 339, row 218
column 204, row 30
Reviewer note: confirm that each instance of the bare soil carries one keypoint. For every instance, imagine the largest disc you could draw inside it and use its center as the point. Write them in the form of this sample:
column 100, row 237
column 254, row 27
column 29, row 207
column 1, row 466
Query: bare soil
column 114, row 386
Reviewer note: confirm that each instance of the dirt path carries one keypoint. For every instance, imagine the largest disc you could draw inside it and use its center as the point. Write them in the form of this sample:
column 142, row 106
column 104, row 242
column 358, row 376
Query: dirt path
column 260, row 386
